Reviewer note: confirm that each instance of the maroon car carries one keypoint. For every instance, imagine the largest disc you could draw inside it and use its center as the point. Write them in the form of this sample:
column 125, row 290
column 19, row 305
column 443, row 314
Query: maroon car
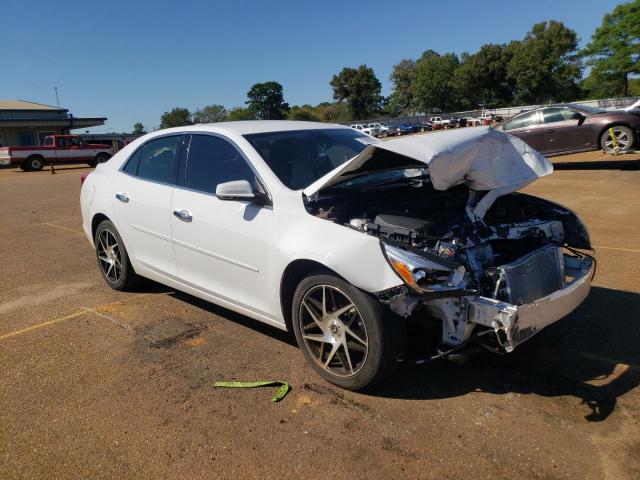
column 569, row 128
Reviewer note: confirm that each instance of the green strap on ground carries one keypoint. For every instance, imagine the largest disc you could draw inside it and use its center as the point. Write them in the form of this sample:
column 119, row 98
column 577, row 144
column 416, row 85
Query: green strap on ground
column 281, row 392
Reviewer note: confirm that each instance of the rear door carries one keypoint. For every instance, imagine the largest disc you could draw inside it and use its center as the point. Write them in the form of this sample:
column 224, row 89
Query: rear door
column 223, row 247
column 142, row 200
column 529, row 128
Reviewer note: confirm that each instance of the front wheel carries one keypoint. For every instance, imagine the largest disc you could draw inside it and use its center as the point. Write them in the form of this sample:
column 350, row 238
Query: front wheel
column 346, row 335
column 624, row 139
column 23, row 166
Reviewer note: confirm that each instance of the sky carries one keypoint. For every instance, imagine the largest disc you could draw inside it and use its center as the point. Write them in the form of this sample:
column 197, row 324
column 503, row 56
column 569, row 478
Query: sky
column 132, row 60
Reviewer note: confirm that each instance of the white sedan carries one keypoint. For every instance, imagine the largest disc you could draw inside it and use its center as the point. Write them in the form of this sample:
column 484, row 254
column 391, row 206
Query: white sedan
column 341, row 238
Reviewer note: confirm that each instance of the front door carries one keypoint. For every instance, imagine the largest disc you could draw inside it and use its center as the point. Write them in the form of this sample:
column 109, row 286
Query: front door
column 562, row 132
column 223, row 247
column 528, row 127
column 142, row 201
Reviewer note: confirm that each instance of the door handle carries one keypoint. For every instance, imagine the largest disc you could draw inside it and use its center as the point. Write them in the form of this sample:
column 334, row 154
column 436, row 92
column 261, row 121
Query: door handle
column 123, row 197
column 549, row 131
column 184, row 215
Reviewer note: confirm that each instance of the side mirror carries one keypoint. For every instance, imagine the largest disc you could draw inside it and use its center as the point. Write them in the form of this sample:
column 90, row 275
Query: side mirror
column 240, row 190
column 578, row 116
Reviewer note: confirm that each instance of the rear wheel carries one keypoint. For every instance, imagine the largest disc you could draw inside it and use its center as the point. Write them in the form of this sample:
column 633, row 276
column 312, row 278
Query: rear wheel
column 624, row 139
column 113, row 259
column 35, row 163
column 346, row 335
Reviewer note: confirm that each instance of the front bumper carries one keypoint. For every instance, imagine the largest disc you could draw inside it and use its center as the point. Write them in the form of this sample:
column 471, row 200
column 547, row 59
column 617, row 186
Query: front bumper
column 514, row 324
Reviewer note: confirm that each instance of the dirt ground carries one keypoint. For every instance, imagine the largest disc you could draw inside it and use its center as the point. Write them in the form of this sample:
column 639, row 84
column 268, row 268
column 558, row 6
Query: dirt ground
column 102, row 384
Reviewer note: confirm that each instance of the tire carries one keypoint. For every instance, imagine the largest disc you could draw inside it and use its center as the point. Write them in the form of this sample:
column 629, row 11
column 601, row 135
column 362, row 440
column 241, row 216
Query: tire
column 624, row 136
column 35, row 163
column 113, row 259
column 101, row 158
column 354, row 349
column 23, row 166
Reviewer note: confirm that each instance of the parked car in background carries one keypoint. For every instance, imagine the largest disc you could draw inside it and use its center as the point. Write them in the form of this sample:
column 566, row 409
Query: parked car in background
column 320, row 230
column 472, row 121
column 405, row 128
column 369, row 130
column 438, row 122
column 568, row 128
column 57, row 149
column 383, row 130
column 424, row 126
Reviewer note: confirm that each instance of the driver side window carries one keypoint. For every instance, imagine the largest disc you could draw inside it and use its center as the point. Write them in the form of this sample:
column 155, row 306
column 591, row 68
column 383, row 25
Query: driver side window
column 212, row 161
column 522, row 121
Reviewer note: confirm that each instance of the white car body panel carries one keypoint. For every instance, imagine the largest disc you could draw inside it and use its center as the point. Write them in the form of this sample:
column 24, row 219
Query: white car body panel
column 258, row 242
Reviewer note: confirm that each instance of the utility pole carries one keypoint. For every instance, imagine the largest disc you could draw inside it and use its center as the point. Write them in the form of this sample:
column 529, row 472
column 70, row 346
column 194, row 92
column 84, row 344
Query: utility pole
column 57, row 100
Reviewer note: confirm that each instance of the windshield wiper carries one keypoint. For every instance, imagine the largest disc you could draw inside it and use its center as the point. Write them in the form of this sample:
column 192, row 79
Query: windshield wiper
column 404, row 180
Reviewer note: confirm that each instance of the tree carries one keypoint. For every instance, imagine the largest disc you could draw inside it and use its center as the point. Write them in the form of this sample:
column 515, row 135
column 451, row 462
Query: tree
column 433, row 85
column 544, row 66
column 403, row 75
column 177, row 117
column 210, row 114
column 138, row 129
column 305, row 112
column 360, row 88
column 267, row 101
column 614, row 50
column 239, row 113
column 481, row 78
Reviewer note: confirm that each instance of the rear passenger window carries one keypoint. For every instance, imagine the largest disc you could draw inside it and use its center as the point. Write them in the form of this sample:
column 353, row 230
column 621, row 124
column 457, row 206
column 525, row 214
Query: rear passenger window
column 213, row 160
column 132, row 164
column 159, row 160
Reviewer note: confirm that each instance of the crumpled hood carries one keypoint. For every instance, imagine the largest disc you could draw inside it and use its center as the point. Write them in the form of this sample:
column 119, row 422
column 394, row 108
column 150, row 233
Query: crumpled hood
column 480, row 157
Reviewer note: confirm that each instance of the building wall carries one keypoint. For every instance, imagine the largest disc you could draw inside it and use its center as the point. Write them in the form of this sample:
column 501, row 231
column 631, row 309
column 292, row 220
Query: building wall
column 20, row 136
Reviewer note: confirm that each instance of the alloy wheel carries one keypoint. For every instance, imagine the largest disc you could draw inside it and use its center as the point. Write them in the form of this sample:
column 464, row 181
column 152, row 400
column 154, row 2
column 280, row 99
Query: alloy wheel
column 333, row 330
column 622, row 138
column 109, row 256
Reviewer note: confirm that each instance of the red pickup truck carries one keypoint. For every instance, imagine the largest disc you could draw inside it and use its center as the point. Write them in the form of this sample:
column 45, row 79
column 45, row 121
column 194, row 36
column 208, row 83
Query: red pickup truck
column 56, row 149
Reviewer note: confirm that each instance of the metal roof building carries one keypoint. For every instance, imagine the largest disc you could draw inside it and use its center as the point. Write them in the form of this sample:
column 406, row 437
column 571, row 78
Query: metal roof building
column 25, row 123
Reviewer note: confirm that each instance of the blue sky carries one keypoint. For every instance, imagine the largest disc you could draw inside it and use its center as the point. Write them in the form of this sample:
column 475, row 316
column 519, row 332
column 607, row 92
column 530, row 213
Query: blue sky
column 132, row 60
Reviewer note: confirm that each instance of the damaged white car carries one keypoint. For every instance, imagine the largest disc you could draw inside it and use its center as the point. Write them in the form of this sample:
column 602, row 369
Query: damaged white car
column 344, row 239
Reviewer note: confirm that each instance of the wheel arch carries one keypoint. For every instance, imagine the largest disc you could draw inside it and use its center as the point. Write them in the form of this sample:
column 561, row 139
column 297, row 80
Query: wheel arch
column 97, row 219
column 291, row 277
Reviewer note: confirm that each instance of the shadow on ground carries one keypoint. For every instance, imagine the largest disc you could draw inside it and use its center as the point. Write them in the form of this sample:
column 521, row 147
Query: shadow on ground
column 592, row 354
column 599, row 165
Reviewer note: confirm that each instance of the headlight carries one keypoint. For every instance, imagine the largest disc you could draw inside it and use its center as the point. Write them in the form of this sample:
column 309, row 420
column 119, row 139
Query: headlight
column 421, row 273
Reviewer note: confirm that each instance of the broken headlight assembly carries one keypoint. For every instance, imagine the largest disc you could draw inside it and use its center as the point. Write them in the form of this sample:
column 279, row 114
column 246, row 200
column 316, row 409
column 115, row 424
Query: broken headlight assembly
column 424, row 272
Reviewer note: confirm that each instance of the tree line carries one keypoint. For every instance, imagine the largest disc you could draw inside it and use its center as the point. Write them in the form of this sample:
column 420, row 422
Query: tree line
column 545, row 66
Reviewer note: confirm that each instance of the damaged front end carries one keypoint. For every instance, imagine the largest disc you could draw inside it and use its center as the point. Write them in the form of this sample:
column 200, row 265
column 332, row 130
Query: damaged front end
column 485, row 262
column 509, row 279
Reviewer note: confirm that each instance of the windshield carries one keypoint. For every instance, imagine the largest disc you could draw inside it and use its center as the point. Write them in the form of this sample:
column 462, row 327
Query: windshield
column 589, row 109
column 388, row 177
column 300, row 157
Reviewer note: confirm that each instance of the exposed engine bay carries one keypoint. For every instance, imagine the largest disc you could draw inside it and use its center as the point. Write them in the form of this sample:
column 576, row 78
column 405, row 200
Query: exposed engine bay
column 471, row 273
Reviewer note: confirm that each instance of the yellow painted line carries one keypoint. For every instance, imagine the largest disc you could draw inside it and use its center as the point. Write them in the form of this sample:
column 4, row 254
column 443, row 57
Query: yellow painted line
column 44, row 324
column 599, row 358
column 82, row 311
column 59, row 221
column 631, row 250
column 63, row 228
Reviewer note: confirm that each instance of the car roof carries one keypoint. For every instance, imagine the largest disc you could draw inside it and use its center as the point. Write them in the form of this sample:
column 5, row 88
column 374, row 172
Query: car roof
column 245, row 127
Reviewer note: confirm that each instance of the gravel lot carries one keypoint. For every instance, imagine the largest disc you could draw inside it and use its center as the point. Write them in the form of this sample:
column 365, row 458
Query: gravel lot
column 102, row 384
